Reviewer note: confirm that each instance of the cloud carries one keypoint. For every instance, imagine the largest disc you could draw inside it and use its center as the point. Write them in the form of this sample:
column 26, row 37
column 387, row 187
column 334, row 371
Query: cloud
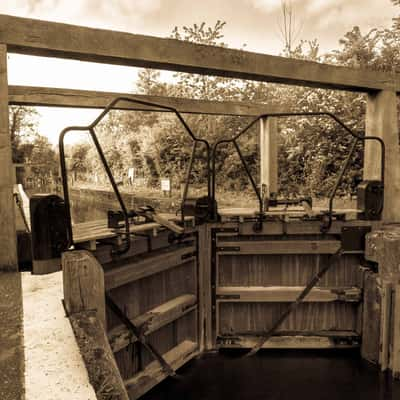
column 275, row 5
column 117, row 14
column 266, row 5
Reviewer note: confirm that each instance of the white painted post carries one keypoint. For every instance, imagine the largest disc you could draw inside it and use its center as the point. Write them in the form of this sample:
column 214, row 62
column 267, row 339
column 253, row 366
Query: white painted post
column 269, row 155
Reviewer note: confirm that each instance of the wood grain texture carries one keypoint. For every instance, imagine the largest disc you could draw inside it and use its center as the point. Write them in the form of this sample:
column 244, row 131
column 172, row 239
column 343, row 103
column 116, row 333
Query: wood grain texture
column 313, row 340
column 371, row 321
column 253, row 318
column 120, row 337
column 279, row 247
column 153, row 373
column 58, row 97
column 280, row 294
column 396, row 334
column 269, row 155
column 49, row 39
column 8, row 233
column 385, row 325
column 383, row 247
column 162, row 302
column 286, row 270
column 97, row 355
column 205, row 291
column 148, row 266
column 382, row 121
column 139, row 245
column 83, row 282
column 292, row 227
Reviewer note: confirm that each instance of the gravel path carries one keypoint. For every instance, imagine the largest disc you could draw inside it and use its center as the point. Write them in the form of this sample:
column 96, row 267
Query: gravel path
column 54, row 369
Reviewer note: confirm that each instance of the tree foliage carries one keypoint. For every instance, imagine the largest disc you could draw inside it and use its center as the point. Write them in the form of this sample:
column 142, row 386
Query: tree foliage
column 312, row 150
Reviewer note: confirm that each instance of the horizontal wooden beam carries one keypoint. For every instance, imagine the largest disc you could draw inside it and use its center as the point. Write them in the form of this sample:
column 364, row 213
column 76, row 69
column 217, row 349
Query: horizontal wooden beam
column 50, row 39
column 147, row 266
column 279, row 247
column 285, row 294
column 120, row 337
column 335, row 339
column 295, row 227
column 56, row 97
column 154, row 373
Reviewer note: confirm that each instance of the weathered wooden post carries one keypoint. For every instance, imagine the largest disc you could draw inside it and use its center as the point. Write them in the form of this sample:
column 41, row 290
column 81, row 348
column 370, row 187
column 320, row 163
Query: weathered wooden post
column 381, row 336
column 8, row 237
column 382, row 121
column 383, row 247
column 84, row 299
column 269, row 155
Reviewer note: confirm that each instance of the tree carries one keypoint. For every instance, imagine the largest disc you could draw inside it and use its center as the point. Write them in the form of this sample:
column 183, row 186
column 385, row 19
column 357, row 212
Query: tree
column 78, row 162
column 23, row 130
column 288, row 28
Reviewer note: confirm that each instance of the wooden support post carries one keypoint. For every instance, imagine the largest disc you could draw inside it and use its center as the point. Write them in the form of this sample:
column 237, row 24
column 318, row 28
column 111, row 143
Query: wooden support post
column 98, row 357
column 8, row 236
column 371, row 319
column 395, row 359
column 205, row 290
column 269, row 155
column 83, row 280
column 383, row 247
column 381, row 121
column 84, row 299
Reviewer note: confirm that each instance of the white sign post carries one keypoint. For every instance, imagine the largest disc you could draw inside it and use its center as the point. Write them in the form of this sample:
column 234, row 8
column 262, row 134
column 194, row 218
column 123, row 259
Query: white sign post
column 166, row 186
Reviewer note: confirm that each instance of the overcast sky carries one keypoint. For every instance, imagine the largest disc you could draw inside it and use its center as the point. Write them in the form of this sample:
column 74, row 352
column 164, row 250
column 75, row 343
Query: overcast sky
column 251, row 22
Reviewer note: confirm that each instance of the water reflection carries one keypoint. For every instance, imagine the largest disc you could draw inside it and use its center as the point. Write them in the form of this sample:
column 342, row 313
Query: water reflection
column 83, row 210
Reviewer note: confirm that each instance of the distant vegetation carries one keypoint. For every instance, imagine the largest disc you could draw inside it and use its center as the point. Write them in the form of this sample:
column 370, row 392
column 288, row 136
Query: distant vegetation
column 155, row 145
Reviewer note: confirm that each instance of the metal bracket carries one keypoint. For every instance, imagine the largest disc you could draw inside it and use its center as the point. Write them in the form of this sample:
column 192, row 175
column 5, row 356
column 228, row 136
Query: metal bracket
column 226, row 230
column 228, row 296
column 228, row 248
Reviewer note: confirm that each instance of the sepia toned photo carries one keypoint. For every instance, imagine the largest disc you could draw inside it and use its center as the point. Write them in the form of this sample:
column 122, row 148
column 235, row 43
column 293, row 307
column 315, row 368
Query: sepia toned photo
column 199, row 200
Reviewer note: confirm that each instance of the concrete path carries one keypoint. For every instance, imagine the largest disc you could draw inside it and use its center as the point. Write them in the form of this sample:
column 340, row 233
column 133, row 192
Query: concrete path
column 54, row 369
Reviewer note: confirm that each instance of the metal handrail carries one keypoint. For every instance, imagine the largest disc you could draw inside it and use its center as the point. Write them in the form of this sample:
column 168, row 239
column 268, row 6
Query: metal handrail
column 295, row 114
column 90, row 128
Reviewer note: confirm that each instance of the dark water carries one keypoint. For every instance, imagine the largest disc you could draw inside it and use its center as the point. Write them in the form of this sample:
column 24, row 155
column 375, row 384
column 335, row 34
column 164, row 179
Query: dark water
column 88, row 210
column 279, row 375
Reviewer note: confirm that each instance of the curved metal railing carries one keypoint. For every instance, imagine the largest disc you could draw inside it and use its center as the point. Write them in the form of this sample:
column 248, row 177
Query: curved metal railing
column 234, row 139
column 90, row 128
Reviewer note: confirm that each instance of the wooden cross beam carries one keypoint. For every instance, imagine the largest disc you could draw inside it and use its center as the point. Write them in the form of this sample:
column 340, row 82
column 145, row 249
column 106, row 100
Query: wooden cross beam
column 50, row 39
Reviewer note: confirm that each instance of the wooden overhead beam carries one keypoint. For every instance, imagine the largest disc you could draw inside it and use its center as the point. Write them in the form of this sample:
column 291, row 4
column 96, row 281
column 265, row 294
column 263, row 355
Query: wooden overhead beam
column 50, row 39
column 57, row 97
